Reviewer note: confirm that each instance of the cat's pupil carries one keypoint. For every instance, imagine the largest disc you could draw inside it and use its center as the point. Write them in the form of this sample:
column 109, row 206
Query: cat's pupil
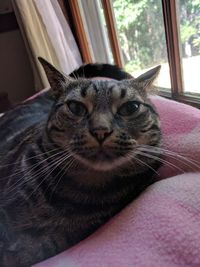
column 128, row 108
column 77, row 108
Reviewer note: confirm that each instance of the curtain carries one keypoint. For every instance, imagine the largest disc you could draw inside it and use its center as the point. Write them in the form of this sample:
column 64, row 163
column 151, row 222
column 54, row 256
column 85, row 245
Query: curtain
column 47, row 34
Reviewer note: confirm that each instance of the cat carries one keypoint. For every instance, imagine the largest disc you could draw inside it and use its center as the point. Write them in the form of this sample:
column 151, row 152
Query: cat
column 69, row 173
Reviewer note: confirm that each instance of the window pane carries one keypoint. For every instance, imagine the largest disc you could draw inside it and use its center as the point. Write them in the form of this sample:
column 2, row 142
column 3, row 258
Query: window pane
column 103, row 21
column 142, row 36
column 189, row 16
column 97, row 32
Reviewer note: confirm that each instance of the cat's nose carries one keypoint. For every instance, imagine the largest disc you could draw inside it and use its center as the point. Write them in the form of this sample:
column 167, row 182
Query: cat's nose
column 101, row 133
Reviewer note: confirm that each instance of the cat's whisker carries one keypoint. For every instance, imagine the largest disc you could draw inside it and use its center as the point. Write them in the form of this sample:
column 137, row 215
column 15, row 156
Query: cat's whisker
column 75, row 76
column 173, row 155
column 65, row 158
column 34, row 165
column 162, row 149
column 142, row 162
column 66, row 154
column 42, row 171
column 179, row 155
column 160, row 160
column 32, row 157
column 32, row 169
column 58, row 163
column 68, row 165
column 22, row 181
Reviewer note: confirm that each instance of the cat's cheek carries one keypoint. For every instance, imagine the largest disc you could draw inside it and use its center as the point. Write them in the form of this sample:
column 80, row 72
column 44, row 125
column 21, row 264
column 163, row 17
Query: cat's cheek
column 134, row 133
column 60, row 137
column 146, row 139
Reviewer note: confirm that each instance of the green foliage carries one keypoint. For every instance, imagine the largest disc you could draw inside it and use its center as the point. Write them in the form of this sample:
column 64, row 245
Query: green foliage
column 141, row 30
column 190, row 24
column 132, row 66
column 186, row 32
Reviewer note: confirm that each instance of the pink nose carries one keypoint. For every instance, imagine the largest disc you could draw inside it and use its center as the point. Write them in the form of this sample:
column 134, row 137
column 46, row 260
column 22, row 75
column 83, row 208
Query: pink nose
column 100, row 134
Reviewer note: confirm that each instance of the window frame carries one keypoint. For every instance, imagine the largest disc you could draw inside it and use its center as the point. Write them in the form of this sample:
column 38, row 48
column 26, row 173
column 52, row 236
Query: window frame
column 174, row 56
column 80, row 31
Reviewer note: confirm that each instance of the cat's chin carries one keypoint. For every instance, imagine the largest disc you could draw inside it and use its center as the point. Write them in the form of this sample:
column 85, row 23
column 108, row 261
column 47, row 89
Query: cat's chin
column 102, row 165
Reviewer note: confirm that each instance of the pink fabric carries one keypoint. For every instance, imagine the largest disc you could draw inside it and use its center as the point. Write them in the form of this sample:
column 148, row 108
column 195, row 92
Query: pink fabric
column 181, row 130
column 161, row 227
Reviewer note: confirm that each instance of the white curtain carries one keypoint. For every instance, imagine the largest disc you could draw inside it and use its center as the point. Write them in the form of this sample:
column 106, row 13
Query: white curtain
column 47, row 34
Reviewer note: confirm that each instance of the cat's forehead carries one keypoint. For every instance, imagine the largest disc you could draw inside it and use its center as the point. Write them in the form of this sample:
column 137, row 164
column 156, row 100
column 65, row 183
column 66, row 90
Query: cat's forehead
column 103, row 90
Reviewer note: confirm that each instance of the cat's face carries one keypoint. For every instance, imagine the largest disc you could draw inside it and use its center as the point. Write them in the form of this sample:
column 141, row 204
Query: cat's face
column 103, row 122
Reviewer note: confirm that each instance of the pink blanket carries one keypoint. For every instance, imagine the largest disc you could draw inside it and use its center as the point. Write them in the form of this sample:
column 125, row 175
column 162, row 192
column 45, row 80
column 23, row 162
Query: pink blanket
column 161, row 227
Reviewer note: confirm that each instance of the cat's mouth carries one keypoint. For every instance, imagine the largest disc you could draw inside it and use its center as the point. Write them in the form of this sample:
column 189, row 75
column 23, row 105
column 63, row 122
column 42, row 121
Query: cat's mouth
column 102, row 153
column 102, row 159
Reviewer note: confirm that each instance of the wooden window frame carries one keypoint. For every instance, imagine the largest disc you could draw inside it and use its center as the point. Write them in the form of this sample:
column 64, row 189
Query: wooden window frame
column 112, row 30
column 80, row 31
column 173, row 47
column 172, row 39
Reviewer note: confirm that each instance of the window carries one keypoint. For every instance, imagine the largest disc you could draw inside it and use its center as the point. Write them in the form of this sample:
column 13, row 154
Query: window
column 140, row 34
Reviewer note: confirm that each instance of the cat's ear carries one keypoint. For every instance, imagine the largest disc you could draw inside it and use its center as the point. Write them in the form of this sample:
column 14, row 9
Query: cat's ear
column 56, row 79
column 145, row 80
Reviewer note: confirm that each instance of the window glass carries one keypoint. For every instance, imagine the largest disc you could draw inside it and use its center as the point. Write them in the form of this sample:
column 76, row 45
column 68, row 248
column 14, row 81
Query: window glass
column 96, row 28
column 189, row 18
column 142, row 37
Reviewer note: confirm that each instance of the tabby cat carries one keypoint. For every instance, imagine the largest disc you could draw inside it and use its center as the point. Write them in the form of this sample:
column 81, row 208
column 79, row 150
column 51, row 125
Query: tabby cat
column 69, row 173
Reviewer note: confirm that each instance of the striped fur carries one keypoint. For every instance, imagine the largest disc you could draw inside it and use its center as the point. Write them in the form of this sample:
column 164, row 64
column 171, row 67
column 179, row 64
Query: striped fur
column 67, row 175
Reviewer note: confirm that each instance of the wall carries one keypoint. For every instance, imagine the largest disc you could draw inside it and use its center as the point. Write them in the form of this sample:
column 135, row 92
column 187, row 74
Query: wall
column 16, row 77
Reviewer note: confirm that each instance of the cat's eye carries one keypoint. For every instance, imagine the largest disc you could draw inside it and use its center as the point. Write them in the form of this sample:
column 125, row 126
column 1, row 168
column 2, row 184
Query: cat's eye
column 128, row 108
column 77, row 108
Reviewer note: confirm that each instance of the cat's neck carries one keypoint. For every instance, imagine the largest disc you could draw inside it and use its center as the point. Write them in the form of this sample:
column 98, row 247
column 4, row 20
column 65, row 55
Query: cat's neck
column 89, row 177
